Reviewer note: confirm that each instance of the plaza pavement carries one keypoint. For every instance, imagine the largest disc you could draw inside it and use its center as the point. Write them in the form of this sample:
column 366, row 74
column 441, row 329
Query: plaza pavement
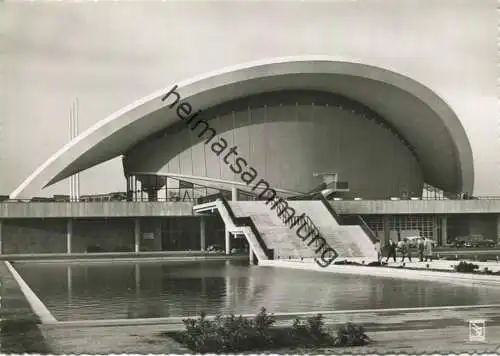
column 428, row 331
column 442, row 264
column 435, row 264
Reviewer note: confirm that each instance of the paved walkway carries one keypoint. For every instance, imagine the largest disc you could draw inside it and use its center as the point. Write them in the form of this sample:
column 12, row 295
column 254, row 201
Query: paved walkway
column 408, row 332
column 442, row 264
column 439, row 264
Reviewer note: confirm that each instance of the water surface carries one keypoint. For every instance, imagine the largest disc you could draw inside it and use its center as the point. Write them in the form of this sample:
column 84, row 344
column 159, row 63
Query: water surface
column 132, row 290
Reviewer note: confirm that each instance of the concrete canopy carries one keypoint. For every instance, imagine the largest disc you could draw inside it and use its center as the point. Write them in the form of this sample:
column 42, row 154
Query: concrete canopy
column 420, row 116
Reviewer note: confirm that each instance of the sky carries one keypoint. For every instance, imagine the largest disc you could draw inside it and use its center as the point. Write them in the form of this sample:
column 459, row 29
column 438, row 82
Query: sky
column 109, row 54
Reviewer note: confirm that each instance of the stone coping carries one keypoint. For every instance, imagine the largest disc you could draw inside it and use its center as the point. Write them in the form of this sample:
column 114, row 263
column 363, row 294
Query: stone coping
column 135, row 260
column 391, row 272
column 104, row 255
column 36, row 304
column 331, row 316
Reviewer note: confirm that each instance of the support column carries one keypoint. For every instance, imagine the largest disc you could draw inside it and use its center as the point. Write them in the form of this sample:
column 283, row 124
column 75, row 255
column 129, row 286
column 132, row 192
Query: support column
column 234, row 193
column 228, row 241
column 137, row 235
column 387, row 232
column 1, row 225
column 202, row 233
column 250, row 254
column 435, row 222
column 444, row 230
column 69, row 235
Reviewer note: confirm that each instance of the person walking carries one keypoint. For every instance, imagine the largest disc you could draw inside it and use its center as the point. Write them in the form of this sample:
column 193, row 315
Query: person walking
column 391, row 251
column 377, row 249
column 421, row 247
column 405, row 250
column 428, row 249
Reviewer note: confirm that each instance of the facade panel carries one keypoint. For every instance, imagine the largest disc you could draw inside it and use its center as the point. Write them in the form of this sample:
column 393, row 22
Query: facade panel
column 287, row 140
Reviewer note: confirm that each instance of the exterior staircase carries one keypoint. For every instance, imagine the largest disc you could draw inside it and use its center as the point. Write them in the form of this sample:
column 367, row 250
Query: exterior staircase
column 270, row 236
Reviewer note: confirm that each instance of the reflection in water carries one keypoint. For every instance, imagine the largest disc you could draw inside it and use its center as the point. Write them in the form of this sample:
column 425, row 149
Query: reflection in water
column 112, row 291
column 69, row 280
column 137, row 274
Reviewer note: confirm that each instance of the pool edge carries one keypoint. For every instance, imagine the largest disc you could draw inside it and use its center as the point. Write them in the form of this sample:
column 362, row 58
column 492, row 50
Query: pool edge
column 176, row 322
column 35, row 303
column 469, row 280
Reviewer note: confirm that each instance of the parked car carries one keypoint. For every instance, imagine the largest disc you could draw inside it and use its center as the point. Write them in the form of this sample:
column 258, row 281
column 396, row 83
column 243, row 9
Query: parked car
column 474, row 242
column 483, row 243
column 466, row 241
column 413, row 241
column 215, row 248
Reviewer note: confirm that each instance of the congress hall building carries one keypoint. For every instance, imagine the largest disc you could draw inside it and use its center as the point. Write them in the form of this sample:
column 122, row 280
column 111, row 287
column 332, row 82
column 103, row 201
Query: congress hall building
column 386, row 152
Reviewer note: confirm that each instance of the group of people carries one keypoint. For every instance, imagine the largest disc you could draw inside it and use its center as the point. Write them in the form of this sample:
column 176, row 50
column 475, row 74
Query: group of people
column 424, row 248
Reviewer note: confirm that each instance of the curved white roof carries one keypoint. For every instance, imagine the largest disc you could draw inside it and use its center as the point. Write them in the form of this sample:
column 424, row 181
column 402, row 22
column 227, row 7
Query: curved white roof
column 420, row 115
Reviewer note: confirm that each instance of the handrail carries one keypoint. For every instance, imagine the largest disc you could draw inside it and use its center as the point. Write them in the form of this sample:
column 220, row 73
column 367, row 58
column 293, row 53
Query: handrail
column 367, row 229
column 247, row 221
column 330, row 209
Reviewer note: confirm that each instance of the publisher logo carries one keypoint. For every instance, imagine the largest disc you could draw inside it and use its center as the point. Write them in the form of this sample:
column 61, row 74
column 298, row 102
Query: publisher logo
column 477, row 330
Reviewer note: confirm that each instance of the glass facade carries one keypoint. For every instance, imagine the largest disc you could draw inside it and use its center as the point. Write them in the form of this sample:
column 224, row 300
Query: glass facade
column 400, row 226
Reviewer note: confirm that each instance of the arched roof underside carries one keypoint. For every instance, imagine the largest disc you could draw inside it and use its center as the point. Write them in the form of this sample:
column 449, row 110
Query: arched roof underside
column 425, row 121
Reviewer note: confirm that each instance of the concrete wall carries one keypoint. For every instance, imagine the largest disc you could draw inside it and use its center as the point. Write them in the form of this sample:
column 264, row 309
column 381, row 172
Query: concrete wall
column 287, row 137
column 485, row 224
column 34, row 236
column 101, row 209
column 367, row 207
column 108, row 235
column 174, row 209
column 111, row 235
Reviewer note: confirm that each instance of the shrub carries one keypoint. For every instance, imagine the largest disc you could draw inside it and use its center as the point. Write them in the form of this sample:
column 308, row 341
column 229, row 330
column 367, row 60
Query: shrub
column 235, row 334
column 312, row 331
column 351, row 335
column 466, row 267
column 226, row 334
column 315, row 325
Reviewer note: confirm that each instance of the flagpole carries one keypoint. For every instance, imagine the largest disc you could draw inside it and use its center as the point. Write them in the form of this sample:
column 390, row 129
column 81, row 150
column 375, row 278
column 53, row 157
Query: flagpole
column 70, row 138
column 77, row 177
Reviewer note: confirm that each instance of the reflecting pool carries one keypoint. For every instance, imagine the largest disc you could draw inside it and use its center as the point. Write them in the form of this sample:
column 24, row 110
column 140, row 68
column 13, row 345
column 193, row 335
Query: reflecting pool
column 145, row 290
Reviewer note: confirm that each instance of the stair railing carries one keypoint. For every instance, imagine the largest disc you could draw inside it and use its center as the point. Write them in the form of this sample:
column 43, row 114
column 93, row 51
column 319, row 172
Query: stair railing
column 247, row 221
column 366, row 229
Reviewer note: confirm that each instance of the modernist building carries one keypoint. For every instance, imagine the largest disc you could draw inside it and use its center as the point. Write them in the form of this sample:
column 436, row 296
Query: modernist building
column 292, row 122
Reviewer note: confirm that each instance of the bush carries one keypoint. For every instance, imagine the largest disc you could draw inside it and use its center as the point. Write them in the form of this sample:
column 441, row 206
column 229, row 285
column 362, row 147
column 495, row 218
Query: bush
column 466, row 267
column 351, row 335
column 231, row 333
column 311, row 332
column 235, row 334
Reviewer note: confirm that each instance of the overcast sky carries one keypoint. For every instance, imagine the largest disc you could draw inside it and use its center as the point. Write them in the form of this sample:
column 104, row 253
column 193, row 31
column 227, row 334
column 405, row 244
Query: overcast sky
column 109, row 54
